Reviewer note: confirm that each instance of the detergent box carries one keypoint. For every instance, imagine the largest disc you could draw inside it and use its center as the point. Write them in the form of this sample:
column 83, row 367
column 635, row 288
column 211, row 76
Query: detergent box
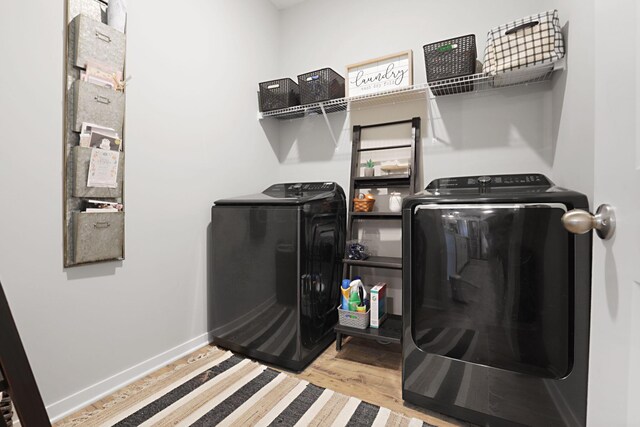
column 378, row 298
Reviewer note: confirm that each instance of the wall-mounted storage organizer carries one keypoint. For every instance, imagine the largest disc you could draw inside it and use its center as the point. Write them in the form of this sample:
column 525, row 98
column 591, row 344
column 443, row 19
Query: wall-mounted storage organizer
column 94, row 126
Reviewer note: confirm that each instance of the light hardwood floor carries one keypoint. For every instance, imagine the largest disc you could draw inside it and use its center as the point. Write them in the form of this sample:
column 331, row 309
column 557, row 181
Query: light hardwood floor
column 371, row 372
column 363, row 369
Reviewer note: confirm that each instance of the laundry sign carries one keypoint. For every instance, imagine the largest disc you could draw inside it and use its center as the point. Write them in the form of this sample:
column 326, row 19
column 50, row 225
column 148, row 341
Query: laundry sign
column 380, row 74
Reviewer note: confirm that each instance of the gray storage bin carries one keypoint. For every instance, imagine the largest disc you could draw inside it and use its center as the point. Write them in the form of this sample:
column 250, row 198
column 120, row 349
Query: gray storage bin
column 98, row 43
column 81, row 159
column 98, row 105
column 98, row 236
column 354, row 319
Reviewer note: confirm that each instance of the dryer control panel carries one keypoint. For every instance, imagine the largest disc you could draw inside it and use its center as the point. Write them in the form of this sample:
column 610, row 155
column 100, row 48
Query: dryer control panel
column 494, row 181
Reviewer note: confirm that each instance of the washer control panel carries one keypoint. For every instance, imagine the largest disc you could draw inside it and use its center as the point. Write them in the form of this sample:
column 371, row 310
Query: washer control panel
column 311, row 186
column 300, row 190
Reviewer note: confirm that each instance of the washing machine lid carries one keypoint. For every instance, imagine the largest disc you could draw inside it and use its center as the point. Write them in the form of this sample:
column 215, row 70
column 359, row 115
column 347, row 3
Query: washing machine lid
column 286, row 194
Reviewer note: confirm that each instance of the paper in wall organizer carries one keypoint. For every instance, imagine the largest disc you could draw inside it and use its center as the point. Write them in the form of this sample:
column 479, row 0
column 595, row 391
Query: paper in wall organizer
column 81, row 159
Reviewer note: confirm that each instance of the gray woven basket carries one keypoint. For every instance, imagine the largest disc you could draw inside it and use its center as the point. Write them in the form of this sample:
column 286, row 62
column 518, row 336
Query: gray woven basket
column 353, row 319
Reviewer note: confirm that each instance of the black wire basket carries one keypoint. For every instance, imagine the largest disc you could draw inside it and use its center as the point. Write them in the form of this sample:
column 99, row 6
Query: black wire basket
column 278, row 94
column 320, row 85
column 451, row 59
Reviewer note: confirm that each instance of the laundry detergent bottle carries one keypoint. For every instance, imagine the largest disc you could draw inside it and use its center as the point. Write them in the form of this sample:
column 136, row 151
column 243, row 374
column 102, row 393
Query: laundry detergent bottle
column 345, row 294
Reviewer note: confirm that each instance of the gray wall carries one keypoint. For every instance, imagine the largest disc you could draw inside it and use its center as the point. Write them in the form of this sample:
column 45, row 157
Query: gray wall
column 191, row 137
column 573, row 119
column 507, row 131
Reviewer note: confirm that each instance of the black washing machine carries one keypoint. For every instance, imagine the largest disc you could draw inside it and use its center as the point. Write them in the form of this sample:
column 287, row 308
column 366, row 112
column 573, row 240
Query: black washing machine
column 496, row 301
column 276, row 263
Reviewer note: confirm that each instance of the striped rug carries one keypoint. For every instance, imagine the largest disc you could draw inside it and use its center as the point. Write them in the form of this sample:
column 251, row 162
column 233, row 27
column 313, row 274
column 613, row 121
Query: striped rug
column 221, row 388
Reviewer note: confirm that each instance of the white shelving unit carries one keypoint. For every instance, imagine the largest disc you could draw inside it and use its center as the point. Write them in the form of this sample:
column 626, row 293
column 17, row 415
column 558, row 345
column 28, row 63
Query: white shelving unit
column 350, row 103
column 483, row 82
column 468, row 85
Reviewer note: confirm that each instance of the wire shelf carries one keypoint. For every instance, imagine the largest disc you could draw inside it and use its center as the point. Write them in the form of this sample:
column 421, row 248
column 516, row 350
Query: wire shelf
column 483, row 82
column 410, row 93
column 470, row 84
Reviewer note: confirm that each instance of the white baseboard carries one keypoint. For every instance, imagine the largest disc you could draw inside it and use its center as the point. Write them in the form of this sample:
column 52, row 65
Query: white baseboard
column 87, row 396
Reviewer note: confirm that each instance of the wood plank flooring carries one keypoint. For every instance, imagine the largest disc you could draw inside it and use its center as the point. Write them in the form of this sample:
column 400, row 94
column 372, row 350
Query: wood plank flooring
column 371, row 372
column 364, row 369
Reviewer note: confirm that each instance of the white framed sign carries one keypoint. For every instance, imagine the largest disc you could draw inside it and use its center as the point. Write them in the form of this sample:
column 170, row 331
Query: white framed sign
column 380, row 74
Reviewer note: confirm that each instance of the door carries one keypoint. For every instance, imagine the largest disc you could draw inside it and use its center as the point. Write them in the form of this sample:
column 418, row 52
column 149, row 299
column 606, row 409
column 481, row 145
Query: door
column 614, row 380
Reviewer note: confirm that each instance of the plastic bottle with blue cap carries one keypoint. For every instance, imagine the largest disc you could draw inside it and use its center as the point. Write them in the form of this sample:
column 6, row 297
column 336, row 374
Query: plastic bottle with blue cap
column 345, row 294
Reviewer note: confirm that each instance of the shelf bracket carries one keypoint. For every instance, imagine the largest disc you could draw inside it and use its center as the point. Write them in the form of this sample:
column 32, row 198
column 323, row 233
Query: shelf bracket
column 430, row 108
column 326, row 120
